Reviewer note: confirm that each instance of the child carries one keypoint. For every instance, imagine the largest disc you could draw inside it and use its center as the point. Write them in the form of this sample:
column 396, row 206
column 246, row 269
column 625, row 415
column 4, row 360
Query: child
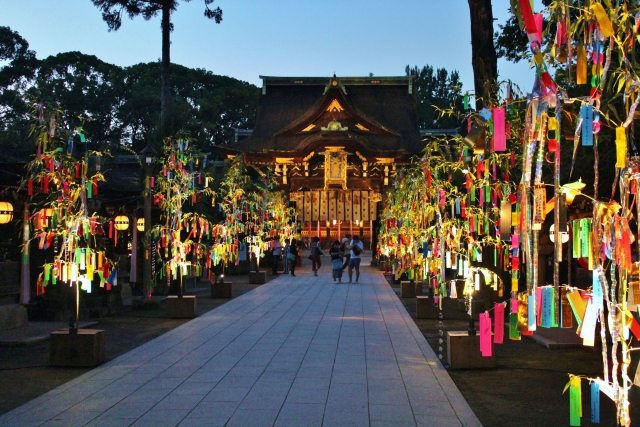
column 336, row 261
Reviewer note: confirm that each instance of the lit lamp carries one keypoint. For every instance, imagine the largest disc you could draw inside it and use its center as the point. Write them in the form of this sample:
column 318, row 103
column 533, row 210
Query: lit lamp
column 6, row 212
column 564, row 237
column 121, row 222
column 140, row 224
column 149, row 153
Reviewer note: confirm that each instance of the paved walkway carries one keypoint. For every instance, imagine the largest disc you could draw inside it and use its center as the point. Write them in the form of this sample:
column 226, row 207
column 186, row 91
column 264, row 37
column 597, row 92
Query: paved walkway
column 298, row 351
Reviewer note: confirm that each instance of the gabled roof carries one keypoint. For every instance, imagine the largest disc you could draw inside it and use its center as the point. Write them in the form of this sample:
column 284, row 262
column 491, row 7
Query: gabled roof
column 378, row 112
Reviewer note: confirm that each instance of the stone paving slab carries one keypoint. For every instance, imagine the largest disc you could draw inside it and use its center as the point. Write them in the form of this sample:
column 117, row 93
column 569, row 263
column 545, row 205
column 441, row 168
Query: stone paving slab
column 298, row 351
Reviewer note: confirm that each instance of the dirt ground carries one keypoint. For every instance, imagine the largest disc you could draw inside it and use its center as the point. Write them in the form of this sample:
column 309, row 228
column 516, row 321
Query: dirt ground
column 525, row 389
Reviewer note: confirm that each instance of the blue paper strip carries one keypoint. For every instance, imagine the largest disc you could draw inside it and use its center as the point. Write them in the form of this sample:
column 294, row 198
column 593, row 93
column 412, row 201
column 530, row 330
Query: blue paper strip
column 547, row 308
column 595, row 402
column 586, row 114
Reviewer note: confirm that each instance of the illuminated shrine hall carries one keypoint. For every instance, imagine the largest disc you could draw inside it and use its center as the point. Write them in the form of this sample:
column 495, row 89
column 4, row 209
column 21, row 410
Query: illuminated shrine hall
column 335, row 145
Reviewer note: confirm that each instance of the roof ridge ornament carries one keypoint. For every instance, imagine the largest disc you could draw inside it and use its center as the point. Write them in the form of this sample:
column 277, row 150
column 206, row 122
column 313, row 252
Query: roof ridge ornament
column 334, row 82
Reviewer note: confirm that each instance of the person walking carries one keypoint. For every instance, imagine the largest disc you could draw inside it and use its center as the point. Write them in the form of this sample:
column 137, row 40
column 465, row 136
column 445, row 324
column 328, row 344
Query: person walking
column 285, row 258
column 277, row 251
column 336, row 261
column 346, row 250
column 316, row 253
column 354, row 262
column 293, row 255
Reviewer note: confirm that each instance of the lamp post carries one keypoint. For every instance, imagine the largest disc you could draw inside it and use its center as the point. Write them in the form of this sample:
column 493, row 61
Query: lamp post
column 148, row 154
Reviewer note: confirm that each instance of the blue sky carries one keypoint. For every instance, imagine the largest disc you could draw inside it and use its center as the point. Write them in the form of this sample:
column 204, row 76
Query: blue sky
column 273, row 38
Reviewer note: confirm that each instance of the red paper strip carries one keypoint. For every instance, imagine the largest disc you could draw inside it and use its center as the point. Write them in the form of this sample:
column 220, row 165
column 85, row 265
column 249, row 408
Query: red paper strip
column 527, row 17
column 635, row 328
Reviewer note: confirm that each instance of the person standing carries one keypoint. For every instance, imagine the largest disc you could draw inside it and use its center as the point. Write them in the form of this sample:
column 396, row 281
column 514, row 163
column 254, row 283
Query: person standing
column 354, row 262
column 346, row 250
column 293, row 255
column 336, row 261
column 277, row 251
column 285, row 258
column 316, row 252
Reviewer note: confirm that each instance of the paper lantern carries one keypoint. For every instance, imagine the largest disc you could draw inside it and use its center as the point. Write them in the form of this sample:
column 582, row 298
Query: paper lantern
column 140, row 224
column 564, row 237
column 6, row 212
column 121, row 222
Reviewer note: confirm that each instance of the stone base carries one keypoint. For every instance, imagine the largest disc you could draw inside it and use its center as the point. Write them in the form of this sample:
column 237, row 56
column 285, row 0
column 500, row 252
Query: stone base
column 408, row 289
column 463, row 352
column 257, row 277
column 181, row 308
column 222, row 290
column 13, row 316
column 84, row 349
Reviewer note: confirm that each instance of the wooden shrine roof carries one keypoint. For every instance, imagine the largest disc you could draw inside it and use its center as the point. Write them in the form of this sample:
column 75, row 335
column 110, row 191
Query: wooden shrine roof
column 377, row 116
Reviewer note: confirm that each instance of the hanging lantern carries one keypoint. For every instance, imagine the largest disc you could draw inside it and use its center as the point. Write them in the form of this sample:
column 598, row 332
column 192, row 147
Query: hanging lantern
column 564, row 236
column 121, row 222
column 140, row 224
column 6, row 212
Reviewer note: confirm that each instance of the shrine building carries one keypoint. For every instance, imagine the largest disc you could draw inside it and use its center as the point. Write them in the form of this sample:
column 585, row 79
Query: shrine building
column 335, row 145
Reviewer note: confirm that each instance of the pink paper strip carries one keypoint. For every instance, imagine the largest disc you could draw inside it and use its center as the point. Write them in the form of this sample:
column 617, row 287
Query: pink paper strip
column 538, row 20
column 538, row 305
column 515, row 241
column 498, row 331
column 485, row 334
column 499, row 134
column 514, row 305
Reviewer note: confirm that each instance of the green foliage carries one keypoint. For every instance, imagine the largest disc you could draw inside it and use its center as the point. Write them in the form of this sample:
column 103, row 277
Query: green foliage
column 121, row 105
column 437, row 90
column 112, row 10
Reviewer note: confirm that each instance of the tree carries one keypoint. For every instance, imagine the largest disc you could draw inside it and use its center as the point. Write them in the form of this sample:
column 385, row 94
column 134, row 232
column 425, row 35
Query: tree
column 483, row 52
column 20, row 65
column 112, row 11
column 437, row 90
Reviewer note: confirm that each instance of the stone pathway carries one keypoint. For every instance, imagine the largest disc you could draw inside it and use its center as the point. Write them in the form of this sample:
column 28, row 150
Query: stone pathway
column 298, row 351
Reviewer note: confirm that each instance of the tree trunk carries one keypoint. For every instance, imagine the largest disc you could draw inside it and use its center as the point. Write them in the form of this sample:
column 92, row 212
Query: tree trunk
column 166, row 62
column 483, row 52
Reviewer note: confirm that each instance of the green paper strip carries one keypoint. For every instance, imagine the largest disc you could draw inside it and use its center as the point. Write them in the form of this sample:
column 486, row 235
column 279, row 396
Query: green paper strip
column 585, row 228
column 575, row 402
column 514, row 333
column 576, row 238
